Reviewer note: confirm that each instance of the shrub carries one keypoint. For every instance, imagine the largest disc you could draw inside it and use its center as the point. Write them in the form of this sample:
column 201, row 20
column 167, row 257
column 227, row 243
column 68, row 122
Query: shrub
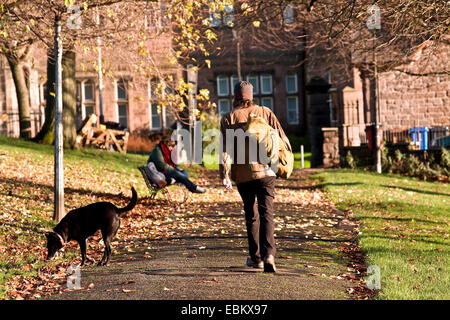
column 349, row 160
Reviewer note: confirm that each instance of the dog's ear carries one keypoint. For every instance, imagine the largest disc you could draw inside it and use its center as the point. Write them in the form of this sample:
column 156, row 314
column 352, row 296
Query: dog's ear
column 47, row 234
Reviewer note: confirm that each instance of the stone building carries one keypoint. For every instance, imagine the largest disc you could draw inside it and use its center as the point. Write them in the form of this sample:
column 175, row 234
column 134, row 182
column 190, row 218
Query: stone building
column 280, row 82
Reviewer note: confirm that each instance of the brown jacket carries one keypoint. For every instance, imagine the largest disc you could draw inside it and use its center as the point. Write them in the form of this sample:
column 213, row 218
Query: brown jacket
column 237, row 119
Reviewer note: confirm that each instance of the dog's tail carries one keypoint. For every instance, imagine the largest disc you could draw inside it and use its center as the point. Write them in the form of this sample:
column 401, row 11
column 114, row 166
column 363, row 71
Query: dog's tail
column 131, row 205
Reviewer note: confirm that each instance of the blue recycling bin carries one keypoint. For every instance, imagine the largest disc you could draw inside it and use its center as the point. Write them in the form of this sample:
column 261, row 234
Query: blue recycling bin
column 420, row 134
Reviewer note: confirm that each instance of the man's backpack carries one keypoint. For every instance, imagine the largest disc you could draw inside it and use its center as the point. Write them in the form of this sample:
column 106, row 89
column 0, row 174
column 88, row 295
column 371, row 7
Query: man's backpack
column 258, row 128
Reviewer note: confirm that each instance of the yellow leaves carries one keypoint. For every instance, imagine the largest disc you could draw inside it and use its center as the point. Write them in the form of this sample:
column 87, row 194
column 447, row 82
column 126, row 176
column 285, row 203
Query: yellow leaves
column 210, row 35
column 142, row 49
column 203, row 94
column 256, row 23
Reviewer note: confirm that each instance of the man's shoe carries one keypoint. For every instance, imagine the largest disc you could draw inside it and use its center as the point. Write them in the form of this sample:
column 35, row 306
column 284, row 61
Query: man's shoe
column 269, row 264
column 252, row 264
column 199, row 190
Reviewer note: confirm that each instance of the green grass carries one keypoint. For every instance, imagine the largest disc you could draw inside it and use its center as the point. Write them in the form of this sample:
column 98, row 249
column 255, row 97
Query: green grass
column 298, row 160
column 404, row 229
column 211, row 162
column 96, row 157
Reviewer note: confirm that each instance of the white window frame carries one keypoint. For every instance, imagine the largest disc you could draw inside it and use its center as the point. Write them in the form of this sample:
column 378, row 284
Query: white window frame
column 269, row 98
column 288, row 14
column 287, row 110
column 224, row 17
column 296, row 83
column 218, row 107
column 152, row 126
column 84, row 102
column 233, row 84
column 269, row 76
column 84, row 83
column 119, row 103
column 125, row 83
column 221, row 77
column 255, row 87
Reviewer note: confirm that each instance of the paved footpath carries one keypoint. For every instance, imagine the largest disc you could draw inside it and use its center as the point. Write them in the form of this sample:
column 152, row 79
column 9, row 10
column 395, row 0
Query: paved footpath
column 206, row 259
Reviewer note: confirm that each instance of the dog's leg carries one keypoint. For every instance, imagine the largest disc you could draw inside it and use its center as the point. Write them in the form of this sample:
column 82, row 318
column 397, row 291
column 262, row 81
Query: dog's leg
column 107, row 253
column 82, row 244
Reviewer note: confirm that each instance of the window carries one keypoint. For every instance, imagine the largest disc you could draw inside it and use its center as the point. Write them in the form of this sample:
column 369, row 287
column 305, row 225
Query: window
column 253, row 79
column 266, row 84
column 155, row 16
column 121, row 91
column 228, row 15
column 87, row 99
column 122, row 114
column 122, row 104
column 223, row 86
column 88, row 93
column 170, row 119
column 233, row 79
column 291, row 83
column 267, row 102
column 222, row 17
column 288, row 14
column 88, row 110
column 155, row 117
column 332, row 99
column 224, row 106
column 292, row 110
column 262, row 90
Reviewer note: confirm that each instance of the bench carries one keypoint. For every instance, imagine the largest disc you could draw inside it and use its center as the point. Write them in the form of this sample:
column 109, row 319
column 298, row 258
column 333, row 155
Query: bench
column 177, row 192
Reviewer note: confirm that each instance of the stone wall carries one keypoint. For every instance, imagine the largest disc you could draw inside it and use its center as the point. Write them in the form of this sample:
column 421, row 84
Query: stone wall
column 330, row 147
column 408, row 100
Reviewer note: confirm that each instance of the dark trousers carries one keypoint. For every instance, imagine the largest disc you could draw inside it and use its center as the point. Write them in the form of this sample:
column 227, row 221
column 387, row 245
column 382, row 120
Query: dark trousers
column 258, row 196
column 181, row 176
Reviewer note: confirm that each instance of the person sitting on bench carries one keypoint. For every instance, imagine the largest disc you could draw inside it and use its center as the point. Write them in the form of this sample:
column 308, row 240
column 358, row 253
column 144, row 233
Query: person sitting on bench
column 161, row 157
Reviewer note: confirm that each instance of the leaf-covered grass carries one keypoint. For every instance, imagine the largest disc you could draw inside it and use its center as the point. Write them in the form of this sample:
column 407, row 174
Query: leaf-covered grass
column 26, row 193
column 404, row 229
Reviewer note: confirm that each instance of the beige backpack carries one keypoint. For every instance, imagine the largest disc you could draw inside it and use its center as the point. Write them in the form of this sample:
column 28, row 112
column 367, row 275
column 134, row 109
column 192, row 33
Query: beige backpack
column 258, row 128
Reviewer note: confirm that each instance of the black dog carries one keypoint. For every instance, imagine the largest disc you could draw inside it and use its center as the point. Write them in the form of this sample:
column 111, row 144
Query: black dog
column 81, row 223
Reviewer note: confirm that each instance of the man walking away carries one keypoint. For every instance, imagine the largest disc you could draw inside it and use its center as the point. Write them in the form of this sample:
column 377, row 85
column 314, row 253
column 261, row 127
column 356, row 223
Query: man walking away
column 255, row 181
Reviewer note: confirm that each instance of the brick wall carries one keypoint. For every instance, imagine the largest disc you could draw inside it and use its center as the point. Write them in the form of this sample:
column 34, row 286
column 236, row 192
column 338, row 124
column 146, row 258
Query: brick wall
column 409, row 101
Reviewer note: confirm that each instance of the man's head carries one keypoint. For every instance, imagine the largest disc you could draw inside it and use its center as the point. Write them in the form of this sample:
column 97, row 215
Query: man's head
column 243, row 90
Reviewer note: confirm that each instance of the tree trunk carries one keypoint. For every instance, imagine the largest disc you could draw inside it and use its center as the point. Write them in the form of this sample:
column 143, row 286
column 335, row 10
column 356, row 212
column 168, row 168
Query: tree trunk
column 23, row 96
column 47, row 133
column 69, row 85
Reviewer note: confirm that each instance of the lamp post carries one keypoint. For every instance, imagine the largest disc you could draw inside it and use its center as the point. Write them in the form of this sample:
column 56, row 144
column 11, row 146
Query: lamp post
column 236, row 36
column 100, row 72
column 59, row 172
column 374, row 24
